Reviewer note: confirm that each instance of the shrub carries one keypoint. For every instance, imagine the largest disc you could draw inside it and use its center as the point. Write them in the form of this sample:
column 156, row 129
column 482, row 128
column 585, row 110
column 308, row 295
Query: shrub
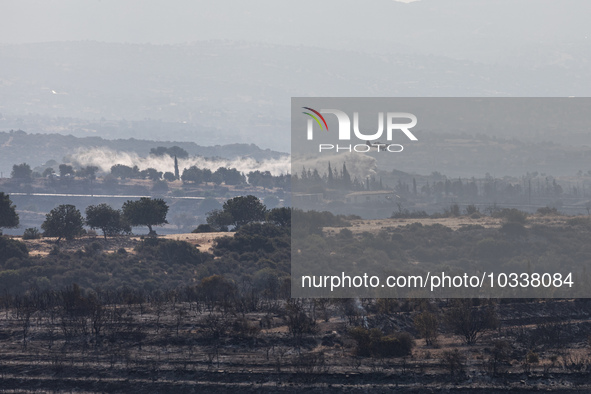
column 346, row 234
column 427, row 324
column 406, row 214
column 395, row 345
column 204, row 228
column 469, row 321
column 11, row 248
column 32, row 233
column 545, row 211
column 500, row 357
column 374, row 343
column 511, row 215
column 454, row 361
column 532, row 358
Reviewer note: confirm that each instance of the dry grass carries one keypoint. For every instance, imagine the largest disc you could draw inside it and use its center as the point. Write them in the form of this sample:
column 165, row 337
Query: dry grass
column 377, row 225
column 43, row 246
column 204, row 241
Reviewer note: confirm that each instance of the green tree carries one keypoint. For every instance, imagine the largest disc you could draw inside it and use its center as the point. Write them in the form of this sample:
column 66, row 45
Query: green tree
column 122, row 171
column 21, row 171
column 152, row 174
column 109, row 220
column 178, row 152
column 146, row 212
column 245, row 209
column 88, row 172
column 193, row 174
column 219, row 220
column 66, row 170
column 280, row 216
column 8, row 216
column 230, row 176
column 64, row 221
column 169, row 176
column 47, row 172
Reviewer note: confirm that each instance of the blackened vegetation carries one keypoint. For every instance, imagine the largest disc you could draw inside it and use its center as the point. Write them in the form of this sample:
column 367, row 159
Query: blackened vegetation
column 420, row 248
column 169, row 318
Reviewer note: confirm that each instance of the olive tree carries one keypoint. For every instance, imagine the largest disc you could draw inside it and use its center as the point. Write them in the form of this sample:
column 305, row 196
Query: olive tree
column 109, row 220
column 146, row 212
column 64, row 221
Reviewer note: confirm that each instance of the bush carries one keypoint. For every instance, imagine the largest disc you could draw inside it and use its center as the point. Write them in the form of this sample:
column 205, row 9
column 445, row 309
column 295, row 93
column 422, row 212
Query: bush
column 10, row 248
column 346, row 234
column 374, row 343
column 171, row 252
column 428, row 325
column 396, row 345
column 511, row 215
column 500, row 357
column 532, row 357
column 32, row 233
column 204, row 228
column 469, row 321
column 406, row 214
column 545, row 211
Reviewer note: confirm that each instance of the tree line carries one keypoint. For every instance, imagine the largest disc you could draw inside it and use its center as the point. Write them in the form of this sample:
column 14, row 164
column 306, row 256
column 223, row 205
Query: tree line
column 191, row 175
column 66, row 221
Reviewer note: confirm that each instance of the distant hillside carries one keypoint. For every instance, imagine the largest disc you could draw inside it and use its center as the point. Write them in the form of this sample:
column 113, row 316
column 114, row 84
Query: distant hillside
column 37, row 149
column 228, row 91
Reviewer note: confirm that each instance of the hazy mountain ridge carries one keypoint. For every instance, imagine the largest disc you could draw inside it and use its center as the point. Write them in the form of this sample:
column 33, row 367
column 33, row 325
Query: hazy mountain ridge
column 238, row 91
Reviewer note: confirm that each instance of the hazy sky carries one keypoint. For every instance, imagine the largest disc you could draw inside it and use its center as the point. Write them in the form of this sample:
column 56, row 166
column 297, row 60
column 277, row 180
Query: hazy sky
column 302, row 48
column 457, row 27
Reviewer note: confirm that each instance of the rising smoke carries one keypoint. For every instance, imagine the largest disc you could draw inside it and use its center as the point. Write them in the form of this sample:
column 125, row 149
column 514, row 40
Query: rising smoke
column 104, row 158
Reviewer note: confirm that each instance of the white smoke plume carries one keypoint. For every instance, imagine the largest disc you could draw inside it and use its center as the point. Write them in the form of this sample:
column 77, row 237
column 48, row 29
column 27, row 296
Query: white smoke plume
column 105, row 158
